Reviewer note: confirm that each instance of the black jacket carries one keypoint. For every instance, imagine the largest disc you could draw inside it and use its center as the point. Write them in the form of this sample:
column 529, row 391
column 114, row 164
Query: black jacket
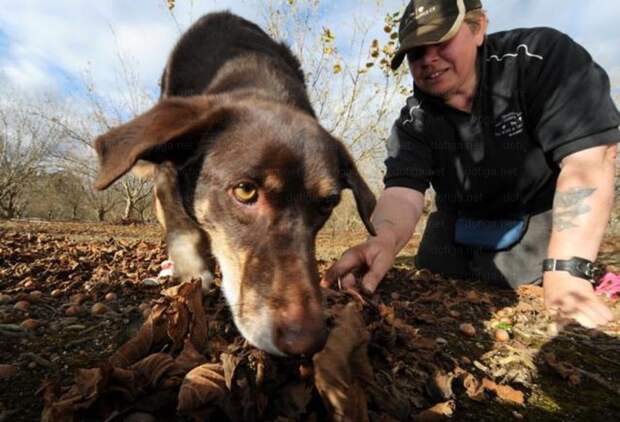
column 540, row 98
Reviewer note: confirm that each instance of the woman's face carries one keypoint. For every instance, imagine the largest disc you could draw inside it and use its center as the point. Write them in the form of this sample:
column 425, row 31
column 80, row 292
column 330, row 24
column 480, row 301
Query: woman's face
column 448, row 68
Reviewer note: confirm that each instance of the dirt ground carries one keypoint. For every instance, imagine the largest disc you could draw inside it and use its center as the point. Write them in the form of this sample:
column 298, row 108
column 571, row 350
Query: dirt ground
column 72, row 294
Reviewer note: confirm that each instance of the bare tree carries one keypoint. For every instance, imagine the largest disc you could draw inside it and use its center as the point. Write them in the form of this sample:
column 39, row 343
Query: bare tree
column 26, row 143
column 80, row 128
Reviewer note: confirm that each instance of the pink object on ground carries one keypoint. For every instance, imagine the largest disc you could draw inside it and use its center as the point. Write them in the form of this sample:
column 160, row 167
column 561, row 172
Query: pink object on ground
column 167, row 269
column 609, row 285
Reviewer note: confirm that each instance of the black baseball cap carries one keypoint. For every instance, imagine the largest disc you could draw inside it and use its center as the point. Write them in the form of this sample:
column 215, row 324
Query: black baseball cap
column 427, row 22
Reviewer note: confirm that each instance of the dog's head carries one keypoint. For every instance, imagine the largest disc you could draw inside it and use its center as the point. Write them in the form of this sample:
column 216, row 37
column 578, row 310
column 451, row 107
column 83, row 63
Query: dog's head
column 260, row 178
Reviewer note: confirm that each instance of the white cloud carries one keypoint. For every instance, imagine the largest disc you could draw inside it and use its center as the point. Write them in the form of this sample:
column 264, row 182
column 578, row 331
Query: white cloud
column 49, row 41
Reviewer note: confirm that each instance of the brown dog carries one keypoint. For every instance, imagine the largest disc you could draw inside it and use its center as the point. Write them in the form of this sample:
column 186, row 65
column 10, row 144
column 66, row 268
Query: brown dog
column 243, row 169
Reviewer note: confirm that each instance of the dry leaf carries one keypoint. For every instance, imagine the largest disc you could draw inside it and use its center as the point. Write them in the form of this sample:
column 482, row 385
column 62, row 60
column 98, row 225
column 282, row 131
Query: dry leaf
column 202, row 386
column 151, row 332
column 342, row 367
column 504, row 392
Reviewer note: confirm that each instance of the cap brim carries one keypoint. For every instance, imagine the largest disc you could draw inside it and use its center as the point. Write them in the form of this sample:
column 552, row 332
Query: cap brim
column 430, row 33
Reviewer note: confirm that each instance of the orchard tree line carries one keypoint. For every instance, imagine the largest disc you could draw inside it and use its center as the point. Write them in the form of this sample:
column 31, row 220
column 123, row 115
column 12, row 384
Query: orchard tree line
column 47, row 162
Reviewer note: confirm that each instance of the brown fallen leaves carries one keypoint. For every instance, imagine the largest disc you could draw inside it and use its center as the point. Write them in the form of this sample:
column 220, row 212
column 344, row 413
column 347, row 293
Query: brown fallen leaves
column 236, row 384
column 342, row 368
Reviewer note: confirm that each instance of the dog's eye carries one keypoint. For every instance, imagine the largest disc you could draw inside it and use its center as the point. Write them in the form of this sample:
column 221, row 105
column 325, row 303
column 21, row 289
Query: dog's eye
column 326, row 205
column 246, row 193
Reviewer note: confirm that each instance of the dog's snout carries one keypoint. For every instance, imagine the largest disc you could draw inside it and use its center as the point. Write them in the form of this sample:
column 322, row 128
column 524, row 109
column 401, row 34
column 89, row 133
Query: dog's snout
column 300, row 330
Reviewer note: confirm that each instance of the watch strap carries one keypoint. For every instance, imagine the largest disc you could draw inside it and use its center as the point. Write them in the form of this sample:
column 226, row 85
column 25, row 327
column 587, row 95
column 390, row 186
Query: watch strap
column 577, row 267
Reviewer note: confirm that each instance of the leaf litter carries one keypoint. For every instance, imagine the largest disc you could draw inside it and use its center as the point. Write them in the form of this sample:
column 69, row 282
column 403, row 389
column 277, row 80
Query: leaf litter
column 171, row 353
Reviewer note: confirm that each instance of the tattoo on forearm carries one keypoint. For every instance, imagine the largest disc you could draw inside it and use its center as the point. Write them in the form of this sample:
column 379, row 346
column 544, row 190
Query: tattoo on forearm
column 568, row 205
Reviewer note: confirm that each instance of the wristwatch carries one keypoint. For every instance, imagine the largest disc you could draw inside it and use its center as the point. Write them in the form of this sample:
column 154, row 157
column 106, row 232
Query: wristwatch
column 577, row 267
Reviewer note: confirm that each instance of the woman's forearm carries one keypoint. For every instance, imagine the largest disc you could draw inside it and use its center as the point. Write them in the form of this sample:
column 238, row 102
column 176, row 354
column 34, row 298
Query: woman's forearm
column 583, row 202
column 397, row 212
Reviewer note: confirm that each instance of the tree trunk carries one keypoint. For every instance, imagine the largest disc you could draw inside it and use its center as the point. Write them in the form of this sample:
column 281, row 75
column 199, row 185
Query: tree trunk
column 128, row 208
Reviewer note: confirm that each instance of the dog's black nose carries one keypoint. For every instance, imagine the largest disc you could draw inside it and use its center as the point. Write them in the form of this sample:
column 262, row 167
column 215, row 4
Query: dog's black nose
column 300, row 332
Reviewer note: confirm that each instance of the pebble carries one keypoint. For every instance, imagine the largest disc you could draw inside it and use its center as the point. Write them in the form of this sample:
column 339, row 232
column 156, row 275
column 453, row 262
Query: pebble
column 32, row 365
column 110, row 297
column 78, row 298
column 7, row 371
column 441, row 341
column 98, row 309
column 455, row 314
column 22, row 305
column 56, row 293
column 30, row 285
column 150, row 282
column 30, row 324
column 4, row 299
column 502, row 335
column 35, row 295
column 467, row 329
column 73, row 310
column 472, row 296
column 395, row 296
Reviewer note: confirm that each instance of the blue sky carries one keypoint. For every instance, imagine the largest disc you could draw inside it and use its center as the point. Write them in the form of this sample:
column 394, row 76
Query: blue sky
column 49, row 45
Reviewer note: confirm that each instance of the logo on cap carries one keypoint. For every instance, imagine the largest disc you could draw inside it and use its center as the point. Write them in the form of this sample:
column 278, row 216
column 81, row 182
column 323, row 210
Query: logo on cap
column 421, row 12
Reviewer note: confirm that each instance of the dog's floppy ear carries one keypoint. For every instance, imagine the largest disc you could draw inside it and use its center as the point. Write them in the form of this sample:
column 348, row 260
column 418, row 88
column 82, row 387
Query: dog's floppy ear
column 167, row 131
column 364, row 198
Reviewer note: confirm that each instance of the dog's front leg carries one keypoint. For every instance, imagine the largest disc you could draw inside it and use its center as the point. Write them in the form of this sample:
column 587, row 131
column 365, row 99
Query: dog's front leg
column 188, row 245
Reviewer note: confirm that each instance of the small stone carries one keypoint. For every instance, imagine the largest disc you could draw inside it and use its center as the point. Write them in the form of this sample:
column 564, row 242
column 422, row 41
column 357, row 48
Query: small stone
column 502, row 335
column 7, row 371
column 395, row 296
column 467, row 329
column 29, row 284
column 78, row 298
column 73, row 310
column 472, row 296
column 56, row 293
column 150, row 282
column 35, row 295
column 110, row 297
column 441, row 341
column 98, row 309
column 22, row 305
column 4, row 299
column 517, row 415
column 30, row 324
column 455, row 314
column 32, row 365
